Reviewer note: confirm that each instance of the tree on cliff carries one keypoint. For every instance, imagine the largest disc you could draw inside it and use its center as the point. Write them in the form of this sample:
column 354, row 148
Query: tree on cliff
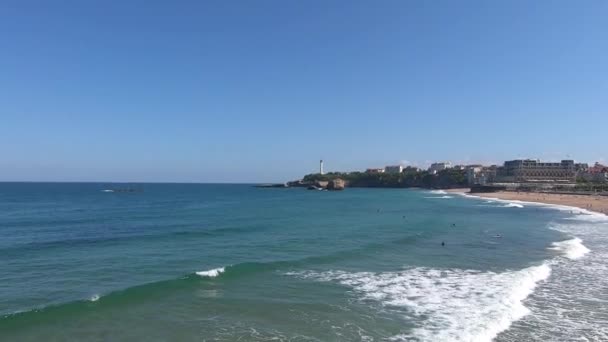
column 443, row 179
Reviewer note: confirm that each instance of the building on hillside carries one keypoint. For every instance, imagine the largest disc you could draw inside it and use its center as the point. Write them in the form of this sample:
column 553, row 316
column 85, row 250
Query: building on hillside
column 374, row 170
column 411, row 169
column 472, row 166
column 529, row 170
column 393, row 169
column 436, row 167
column 480, row 175
column 598, row 173
column 598, row 168
column 582, row 167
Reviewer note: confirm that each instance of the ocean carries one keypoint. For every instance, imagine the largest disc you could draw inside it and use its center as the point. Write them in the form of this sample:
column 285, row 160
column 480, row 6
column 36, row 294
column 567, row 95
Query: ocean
column 211, row 262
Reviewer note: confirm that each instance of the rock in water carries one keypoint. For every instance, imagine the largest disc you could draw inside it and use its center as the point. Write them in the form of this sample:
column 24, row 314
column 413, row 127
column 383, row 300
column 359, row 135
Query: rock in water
column 336, row 184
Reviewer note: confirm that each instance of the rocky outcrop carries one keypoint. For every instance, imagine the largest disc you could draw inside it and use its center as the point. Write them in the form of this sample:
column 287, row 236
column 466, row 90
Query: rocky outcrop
column 336, row 184
column 322, row 184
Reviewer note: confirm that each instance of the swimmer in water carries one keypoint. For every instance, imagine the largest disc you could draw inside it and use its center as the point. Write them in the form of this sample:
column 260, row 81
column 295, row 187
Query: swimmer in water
column 442, row 243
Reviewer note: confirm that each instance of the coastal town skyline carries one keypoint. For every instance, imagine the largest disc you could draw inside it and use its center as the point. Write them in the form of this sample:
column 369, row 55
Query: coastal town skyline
column 514, row 173
column 329, row 167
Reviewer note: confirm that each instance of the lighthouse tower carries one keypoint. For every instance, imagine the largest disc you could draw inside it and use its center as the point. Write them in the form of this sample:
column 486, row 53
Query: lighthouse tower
column 321, row 166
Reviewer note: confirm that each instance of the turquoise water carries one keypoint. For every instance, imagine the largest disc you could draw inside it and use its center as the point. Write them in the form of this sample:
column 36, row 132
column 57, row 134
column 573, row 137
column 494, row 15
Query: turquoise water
column 192, row 262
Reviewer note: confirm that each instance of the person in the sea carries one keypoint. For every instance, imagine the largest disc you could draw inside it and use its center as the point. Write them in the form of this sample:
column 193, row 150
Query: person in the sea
column 442, row 243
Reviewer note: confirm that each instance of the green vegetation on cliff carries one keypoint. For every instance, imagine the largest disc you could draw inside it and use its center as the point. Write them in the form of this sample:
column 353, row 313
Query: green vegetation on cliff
column 450, row 178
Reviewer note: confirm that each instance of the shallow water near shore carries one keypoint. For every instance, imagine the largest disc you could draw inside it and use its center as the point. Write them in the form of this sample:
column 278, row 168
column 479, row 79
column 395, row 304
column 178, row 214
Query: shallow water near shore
column 228, row 262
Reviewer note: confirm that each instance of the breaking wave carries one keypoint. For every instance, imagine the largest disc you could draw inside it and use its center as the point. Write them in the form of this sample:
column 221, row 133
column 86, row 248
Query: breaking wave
column 448, row 305
column 572, row 249
column 513, row 205
column 211, row 273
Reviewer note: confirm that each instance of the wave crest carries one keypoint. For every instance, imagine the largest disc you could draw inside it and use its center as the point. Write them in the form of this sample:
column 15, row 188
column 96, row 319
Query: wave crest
column 573, row 249
column 454, row 305
column 211, row 273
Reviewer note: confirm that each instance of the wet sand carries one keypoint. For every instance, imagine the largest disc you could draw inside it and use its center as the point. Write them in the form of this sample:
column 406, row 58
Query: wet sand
column 593, row 203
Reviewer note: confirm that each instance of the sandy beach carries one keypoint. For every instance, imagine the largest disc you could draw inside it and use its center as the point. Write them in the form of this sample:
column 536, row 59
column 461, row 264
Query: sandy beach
column 593, row 203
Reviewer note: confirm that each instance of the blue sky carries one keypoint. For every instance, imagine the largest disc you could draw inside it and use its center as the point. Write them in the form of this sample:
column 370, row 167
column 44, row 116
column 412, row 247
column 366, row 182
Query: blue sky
column 242, row 91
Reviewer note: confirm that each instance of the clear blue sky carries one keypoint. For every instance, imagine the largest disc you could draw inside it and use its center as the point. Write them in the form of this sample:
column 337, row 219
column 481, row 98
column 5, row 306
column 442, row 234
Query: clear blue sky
column 240, row 91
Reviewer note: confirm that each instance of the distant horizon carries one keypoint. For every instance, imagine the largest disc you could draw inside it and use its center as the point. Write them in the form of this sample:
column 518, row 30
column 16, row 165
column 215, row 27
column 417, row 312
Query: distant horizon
column 425, row 167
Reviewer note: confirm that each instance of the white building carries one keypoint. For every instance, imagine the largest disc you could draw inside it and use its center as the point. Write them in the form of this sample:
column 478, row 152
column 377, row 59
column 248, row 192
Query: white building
column 374, row 170
column 597, row 173
column 436, row 167
column 393, row 169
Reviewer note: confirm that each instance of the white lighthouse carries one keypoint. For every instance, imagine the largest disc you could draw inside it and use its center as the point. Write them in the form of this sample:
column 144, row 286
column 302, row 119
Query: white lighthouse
column 321, row 166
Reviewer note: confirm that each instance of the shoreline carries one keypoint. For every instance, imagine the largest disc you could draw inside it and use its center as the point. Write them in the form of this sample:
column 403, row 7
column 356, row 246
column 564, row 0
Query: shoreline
column 597, row 204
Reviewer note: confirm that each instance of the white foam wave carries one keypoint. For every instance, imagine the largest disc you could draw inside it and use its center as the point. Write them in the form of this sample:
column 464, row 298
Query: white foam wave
column 568, row 307
column 581, row 214
column 107, row 190
column 440, row 197
column 211, row 273
column 448, row 305
column 94, row 298
column 438, row 192
column 572, row 249
column 589, row 216
column 513, row 205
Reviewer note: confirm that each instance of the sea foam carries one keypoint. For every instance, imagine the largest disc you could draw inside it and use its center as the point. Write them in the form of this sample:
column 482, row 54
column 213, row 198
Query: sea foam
column 513, row 205
column 446, row 305
column 572, row 249
column 211, row 273
column 578, row 213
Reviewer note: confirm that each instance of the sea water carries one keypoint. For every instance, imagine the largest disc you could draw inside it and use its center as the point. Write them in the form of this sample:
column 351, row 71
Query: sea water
column 196, row 262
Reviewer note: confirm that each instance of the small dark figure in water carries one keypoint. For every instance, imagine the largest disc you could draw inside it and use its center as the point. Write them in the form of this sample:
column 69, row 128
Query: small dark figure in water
column 442, row 243
column 453, row 224
column 403, row 216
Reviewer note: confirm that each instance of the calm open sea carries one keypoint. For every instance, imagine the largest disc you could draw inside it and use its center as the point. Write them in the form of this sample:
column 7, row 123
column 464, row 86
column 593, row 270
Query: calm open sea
column 196, row 262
